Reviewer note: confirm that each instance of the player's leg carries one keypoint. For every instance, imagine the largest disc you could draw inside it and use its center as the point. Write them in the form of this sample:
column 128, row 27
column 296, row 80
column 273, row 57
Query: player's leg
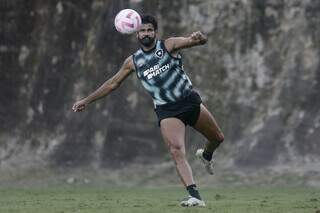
column 208, row 127
column 173, row 133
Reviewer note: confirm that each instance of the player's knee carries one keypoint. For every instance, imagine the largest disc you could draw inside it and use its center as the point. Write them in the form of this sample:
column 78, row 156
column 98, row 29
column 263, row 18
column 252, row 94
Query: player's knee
column 220, row 137
column 176, row 152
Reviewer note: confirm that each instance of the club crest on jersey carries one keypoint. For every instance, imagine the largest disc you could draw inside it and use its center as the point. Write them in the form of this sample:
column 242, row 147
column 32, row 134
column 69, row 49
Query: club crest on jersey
column 159, row 53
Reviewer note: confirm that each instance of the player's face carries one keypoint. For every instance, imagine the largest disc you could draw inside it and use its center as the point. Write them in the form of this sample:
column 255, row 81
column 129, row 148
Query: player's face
column 146, row 35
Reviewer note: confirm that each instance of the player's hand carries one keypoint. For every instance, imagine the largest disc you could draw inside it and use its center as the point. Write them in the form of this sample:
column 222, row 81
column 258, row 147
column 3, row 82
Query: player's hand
column 79, row 105
column 199, row 37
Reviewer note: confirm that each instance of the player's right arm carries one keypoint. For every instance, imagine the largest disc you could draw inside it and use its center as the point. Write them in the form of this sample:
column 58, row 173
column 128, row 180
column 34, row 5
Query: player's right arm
column 108, row 86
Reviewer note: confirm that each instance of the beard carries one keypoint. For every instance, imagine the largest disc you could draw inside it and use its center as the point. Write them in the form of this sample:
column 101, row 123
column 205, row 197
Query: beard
column 147, row 41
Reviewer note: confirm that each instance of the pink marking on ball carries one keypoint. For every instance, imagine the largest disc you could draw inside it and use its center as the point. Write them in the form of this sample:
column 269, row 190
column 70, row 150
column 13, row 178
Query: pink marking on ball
column 126, row 24
column 138, row 21
column 129, row 14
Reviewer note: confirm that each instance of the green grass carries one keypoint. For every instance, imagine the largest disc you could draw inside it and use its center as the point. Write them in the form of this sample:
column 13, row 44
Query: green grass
column 147, row 200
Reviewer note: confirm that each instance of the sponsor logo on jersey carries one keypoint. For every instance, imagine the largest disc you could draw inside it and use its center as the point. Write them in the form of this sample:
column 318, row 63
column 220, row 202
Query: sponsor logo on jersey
column 155, row 70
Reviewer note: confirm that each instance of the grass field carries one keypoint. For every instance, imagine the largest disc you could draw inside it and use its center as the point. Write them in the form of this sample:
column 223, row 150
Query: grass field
column 63, row 199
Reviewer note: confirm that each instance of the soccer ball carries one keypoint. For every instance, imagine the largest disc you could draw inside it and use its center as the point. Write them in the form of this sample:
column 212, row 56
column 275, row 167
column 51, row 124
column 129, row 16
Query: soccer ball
column 127, row 21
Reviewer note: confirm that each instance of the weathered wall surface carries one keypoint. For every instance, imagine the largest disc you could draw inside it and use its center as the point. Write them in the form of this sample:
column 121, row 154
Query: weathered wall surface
column 259, row 74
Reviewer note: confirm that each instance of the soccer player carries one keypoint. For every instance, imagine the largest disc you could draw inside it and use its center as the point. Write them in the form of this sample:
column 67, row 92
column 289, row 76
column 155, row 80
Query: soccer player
column 158, row 66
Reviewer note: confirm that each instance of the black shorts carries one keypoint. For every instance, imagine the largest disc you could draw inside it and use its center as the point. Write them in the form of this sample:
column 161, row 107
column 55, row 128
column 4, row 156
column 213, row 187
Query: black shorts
column 187, row 109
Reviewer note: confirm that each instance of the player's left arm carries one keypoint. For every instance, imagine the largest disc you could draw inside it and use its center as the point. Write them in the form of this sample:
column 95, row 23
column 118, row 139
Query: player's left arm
column 175, row 44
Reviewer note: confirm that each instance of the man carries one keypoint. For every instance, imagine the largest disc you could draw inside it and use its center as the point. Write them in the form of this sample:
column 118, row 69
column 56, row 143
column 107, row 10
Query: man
column 158, row 66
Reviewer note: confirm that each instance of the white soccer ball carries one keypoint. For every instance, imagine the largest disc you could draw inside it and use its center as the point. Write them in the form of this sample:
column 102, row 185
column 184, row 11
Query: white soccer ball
column 127, row 21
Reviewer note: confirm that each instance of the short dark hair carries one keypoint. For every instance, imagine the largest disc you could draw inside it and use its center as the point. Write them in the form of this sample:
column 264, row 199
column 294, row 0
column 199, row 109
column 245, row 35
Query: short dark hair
column 148, row 19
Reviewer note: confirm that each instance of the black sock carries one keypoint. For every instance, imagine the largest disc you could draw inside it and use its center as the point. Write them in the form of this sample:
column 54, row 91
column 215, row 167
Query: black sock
column 207, row 155
column 209, row 148
column 193, row 191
